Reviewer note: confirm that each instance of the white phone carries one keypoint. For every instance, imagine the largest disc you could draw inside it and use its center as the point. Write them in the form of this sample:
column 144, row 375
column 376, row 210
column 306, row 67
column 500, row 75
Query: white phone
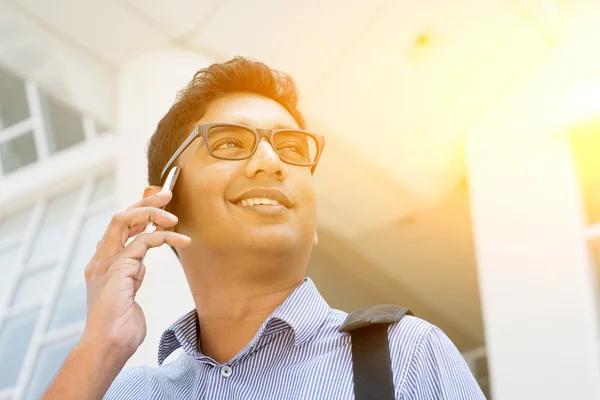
column 169, row 185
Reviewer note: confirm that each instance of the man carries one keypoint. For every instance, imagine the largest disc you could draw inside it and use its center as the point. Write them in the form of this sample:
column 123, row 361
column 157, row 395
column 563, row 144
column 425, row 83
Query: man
column 244, row 229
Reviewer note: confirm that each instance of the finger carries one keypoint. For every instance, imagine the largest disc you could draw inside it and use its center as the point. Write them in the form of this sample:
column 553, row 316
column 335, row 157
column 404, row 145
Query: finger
column 158, row 199
column 118, row 230
column 136, row 230
column 145, row 241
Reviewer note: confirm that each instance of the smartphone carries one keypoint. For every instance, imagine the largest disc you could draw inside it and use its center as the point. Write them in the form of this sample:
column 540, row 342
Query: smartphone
column 169, row 185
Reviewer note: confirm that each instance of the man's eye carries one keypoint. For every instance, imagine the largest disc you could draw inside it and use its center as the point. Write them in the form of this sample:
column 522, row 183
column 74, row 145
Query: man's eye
column 292, row 146
column 228, row 143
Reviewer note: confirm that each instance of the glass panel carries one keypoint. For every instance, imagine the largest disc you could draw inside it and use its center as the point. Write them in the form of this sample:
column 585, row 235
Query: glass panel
column 64, row 125
column 105, row 188
column 50, row 359
column 50, row 237
column 586, row 147
column 18, row 152
column 15, row 224
column 14, row 342
column 8, row 263
column 13, row 99
column 71, row 306
column 33, row 288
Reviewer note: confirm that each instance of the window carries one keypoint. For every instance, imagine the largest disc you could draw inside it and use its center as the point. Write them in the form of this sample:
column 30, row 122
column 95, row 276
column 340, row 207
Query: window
column 71, row 305
column 13, row 100
column 49, row 361
column 15, row 340
column 18, row 152
column 8, row 263
column 52, row 230
column 44, row 249
column 64, row 126
column 46, row 242
column 33, row 124
column 14, row 225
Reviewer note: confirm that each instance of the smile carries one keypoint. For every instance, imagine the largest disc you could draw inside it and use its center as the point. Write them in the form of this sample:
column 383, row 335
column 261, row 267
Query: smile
column 261, row 206
column 263, row 198
column 257, row 202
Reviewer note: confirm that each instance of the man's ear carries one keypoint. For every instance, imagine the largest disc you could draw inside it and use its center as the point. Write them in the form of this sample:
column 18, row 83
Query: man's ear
column 150, row 190
column 315, row 240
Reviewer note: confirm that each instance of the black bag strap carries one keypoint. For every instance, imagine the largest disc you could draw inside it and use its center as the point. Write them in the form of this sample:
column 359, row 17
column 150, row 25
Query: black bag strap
column 368, row 328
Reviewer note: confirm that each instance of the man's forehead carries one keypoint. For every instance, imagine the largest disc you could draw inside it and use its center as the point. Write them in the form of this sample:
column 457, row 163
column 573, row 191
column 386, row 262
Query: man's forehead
column 248, row 109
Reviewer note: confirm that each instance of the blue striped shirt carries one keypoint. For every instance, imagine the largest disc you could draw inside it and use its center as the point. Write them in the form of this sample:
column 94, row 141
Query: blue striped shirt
column 298, row 353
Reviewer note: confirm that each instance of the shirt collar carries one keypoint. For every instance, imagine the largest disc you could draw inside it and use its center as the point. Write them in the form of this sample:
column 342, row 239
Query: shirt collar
column 183, row 333
column 304, row 310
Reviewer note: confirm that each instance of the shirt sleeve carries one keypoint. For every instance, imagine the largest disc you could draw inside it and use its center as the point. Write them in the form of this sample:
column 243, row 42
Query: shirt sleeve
column 438, row 371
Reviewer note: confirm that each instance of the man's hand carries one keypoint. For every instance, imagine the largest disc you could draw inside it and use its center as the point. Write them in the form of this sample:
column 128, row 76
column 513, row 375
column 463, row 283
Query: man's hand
column 115, row 325
column 113, row 315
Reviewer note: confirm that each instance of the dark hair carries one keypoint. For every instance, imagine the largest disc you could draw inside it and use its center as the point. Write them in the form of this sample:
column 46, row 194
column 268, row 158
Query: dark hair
column 237, row 75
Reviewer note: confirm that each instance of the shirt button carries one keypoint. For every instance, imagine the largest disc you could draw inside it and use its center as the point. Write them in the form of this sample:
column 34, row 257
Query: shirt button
column 226, row 371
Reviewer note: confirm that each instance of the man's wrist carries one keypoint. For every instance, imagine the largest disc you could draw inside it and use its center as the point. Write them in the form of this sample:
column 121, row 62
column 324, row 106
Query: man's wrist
column 88, row 371
column 112, row 355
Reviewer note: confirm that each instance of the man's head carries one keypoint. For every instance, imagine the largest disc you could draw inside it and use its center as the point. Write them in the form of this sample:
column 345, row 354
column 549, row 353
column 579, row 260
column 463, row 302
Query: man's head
column 213, row 196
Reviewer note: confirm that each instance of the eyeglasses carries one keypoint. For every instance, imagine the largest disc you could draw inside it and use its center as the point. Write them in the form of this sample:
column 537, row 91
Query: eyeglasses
column 239, row 142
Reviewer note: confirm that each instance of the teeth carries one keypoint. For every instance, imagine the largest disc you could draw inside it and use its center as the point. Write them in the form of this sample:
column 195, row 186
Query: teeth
column 257, row 201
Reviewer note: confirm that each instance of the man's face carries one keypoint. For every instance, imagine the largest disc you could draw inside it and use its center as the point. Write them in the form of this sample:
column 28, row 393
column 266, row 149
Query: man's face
column 209, row 193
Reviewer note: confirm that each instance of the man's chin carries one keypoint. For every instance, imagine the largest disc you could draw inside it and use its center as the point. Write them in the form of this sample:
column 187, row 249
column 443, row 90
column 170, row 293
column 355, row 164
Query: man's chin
column 268, row 238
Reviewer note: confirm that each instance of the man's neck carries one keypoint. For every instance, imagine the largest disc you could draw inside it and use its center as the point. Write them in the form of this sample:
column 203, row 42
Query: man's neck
column 231, row 305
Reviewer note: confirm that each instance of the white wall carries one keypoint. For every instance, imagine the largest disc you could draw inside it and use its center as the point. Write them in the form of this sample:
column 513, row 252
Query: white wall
column 536, row 283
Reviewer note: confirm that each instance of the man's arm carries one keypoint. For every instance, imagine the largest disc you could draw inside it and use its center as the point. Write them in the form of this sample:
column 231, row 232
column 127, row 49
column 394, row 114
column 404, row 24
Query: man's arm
column 438, row 371
column 87, row 372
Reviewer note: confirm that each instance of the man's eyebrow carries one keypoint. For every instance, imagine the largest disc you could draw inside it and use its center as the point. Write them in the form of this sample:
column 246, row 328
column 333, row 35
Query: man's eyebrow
column 278, row 126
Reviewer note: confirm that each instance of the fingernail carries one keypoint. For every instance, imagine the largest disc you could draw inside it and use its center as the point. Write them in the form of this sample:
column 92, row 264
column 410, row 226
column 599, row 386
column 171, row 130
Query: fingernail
column 172, row 216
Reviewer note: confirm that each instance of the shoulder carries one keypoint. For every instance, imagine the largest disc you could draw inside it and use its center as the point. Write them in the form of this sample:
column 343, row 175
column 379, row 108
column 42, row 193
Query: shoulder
column 417, row 340
column 146, row 382
column 410, row 331
column 427, row 364
column 405, row 339
column 131, row 383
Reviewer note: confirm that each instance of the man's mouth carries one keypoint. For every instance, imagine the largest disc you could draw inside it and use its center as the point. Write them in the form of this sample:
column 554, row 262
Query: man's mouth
column 266, row 197
column 257, row 202
column 262, row 206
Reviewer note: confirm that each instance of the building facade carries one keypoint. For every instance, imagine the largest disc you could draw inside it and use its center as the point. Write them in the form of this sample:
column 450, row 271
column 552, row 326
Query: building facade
column 488, row 225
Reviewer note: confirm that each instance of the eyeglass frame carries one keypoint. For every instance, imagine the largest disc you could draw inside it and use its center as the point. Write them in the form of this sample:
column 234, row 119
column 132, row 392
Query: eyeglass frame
column 203, row 129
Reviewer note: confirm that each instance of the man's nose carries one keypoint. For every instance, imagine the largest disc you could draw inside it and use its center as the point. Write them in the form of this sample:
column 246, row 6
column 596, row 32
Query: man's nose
column 267, row 160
